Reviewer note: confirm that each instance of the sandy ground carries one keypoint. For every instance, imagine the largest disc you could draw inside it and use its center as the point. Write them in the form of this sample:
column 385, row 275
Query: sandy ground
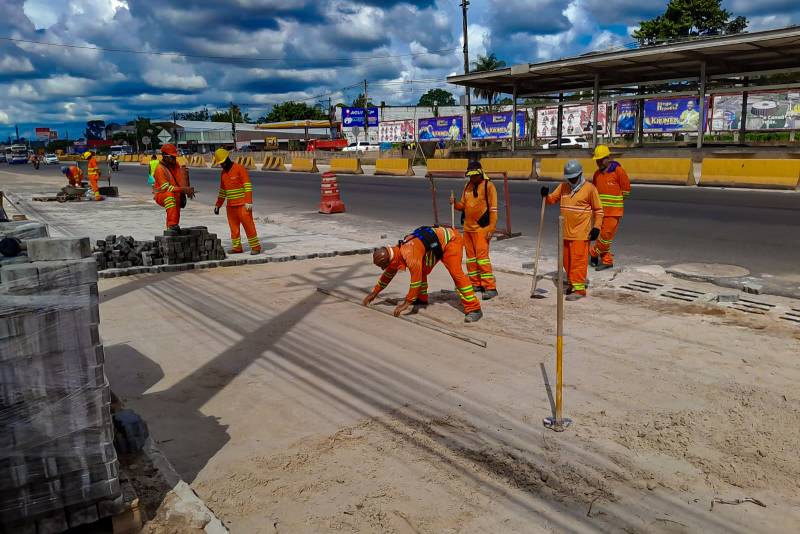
column 291, row 411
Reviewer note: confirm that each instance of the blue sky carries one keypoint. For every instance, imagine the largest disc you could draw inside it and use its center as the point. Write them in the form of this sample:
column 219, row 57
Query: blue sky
column 261, row 52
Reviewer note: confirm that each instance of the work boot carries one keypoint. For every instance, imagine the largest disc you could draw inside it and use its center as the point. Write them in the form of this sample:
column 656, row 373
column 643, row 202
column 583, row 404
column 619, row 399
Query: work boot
column 419, row 302
column 477, row 289
column 473, row 317
column 174, row 228
column 575, row 296
column 603, row 267
column 489, row 294
column 255, row 252
column 234, row 251
column 594, row 261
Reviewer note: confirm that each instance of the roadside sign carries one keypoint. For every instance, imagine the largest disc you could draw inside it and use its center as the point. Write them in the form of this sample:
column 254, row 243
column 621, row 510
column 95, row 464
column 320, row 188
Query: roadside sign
column 164, row 136
column 146, row 140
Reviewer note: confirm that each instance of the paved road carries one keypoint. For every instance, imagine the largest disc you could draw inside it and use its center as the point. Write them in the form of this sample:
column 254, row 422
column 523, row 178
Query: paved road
column 759, row 230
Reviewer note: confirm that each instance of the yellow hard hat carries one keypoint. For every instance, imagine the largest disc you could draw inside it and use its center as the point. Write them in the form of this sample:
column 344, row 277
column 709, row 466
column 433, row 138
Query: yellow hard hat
column 601, row 151
column 220, row 155
column 86, row 154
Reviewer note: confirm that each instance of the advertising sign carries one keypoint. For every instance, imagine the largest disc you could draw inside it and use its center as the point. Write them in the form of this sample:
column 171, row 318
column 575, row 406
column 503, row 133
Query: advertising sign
column 396, row 131
column 43, row 134
column 354, row 117
column 53, row 135
column 679, row 114
column 778, row 110
column 576, row 120
column 498, row 125
column 444, row 128
column 626, row 117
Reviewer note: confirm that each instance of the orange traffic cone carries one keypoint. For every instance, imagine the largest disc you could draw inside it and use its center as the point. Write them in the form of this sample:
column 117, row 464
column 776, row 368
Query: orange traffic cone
column 331, row 201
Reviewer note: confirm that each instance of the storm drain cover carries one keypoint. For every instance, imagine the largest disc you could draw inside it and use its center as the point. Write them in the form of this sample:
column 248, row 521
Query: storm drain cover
column 752, row 306
column 686, row 295
column 792, row 315
column 643, row 287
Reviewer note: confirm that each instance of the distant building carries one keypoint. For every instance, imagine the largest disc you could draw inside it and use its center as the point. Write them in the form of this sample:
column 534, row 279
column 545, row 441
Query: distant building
column 206, row 136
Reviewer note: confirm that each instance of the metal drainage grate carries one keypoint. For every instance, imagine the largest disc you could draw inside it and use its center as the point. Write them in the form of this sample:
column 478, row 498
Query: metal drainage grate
column 752, row 306
column 643, row 287
column 792, row 315
column 686, row 295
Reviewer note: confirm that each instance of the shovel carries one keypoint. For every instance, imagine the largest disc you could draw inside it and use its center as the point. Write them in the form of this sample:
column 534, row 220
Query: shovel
column 538, row 293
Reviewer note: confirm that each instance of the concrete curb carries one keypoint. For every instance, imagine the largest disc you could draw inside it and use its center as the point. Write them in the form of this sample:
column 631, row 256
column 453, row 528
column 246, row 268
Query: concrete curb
column 230, row 262
column 185, row 494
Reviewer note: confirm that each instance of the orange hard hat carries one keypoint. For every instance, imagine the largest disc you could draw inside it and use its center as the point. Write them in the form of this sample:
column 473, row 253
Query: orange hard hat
column 169, row 149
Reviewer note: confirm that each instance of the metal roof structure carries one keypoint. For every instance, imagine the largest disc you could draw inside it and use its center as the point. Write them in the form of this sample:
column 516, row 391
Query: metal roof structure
column 724, row 56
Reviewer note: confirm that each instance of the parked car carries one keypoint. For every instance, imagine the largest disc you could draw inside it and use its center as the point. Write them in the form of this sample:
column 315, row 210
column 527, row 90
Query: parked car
column 50, row 159
column 567, row 142
column 361, row 146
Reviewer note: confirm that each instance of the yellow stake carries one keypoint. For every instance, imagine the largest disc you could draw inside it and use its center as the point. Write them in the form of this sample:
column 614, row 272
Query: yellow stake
column 559, row 423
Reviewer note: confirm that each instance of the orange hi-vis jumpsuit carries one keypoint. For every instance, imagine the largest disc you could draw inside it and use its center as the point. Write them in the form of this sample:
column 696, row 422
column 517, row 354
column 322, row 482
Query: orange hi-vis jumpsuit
column 613, row 186
column 166, row 192
column 411, row 254
column 236, row 189
column 578, row 208
column 75, row 176
column 475, row 201
column 93, row 172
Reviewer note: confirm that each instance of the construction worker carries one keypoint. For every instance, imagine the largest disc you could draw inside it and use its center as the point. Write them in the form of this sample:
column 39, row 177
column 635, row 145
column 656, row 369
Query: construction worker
column 479, row 206
column 167, row 188
column 74, row 175
column 419, row 252
column 153, row 163
column 93, row 172
column 583, row 217
column 613, row 186
column 236, row 189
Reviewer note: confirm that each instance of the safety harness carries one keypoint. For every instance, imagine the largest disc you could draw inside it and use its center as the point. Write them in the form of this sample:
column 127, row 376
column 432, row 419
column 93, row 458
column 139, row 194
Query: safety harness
column 429, row 239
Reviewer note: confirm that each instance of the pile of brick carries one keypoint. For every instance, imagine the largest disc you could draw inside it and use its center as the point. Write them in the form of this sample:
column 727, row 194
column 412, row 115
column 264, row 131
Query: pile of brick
column 186, row 245
column 58, row 466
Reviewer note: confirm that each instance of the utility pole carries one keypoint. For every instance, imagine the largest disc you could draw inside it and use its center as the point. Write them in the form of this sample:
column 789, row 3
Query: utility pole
column 175, row 127
column 468, row 126
column 366, row 112
column 233, row 126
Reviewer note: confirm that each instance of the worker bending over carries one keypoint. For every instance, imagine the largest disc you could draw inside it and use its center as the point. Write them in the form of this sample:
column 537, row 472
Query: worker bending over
column 93, row 172
column 74, row 175
column 167, row 188
column 478, row 205
column 583, row 216
column 613, row 186
column 419, row 252
column 236, row 189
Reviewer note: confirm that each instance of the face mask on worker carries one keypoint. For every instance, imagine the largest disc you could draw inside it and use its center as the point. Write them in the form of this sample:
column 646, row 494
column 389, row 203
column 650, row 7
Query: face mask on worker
column 227, row 164
column 576, row 182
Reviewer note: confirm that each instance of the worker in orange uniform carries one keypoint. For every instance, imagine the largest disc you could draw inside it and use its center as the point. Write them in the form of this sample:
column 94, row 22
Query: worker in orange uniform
column 235, row 188
column 419, row 252
column 93, row 173
column 614, row 187
column 478, row 205
column 583, row 217
column 167, row 188
column 74, row 175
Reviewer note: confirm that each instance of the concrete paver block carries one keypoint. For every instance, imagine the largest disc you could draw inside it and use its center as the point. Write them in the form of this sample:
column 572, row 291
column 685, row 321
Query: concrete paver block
column 50, row 248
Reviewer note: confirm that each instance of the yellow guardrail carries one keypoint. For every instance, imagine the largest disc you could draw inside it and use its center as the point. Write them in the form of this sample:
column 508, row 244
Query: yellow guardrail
column 670, row 171
column 759, row 173
column 346, row 166
column 519, row 168
column 394, row 167
column 446, row 166
column 273, row 163
column 304, row 165
column 553, row 168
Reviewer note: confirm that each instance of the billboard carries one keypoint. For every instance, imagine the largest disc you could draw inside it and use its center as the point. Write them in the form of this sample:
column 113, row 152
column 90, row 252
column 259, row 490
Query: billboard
column 43, row 134
column 626, row 117
column 498, row 125
column 354, row 117
column 396, row 131
column 678, row 114
column 576, row 120
column 775, row 110
column 441, row 128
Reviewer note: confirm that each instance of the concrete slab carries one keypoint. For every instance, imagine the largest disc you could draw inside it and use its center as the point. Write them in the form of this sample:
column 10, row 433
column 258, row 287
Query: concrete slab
column 52, row 248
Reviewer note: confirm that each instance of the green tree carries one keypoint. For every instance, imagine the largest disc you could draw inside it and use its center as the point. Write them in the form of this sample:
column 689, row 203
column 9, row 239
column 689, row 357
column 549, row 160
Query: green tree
column 225, row 116
column 689, row 18
column 360, row 102
column 288, row 111
column 201, row 115
column 483, row 64
column 439, row 96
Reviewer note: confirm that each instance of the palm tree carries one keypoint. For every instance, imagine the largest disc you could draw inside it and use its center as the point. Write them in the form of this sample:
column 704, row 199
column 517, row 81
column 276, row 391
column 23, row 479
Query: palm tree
column 487, row 63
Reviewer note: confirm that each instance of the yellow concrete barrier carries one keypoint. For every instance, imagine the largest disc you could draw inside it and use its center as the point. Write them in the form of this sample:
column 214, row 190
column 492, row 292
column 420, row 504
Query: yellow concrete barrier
column 553, row 168
column 197, row 161
column 515, row 168
column 671, row 171
column 446, row 167
column 760, row 173
column 183, row 161
column 394, row 167
column 273, row 163
column 248, row 163
column 239, row 160
column 144, row 159
column 304, row 165
column 441, row 153
column 346, row 166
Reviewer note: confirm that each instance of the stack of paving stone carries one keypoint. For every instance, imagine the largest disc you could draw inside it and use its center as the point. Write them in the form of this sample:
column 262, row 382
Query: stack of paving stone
column 188, row 245
column 58, row 466
column 123, row 252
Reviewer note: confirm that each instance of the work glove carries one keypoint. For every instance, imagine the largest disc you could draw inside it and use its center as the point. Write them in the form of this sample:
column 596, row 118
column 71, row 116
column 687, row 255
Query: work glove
column 545, row 191
column 216, row 210
column 594, row 234
column 248, row 207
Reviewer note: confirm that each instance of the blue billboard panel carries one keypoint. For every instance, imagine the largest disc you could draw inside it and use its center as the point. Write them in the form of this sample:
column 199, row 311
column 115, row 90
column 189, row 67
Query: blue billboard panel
column 441, row 128
column 679, row 114
column 626, row 117
column 354, row 117
column 498, row 125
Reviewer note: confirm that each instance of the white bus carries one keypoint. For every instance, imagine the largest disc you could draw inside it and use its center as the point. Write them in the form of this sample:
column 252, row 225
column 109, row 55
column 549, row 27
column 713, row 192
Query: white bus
column 17, row 154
